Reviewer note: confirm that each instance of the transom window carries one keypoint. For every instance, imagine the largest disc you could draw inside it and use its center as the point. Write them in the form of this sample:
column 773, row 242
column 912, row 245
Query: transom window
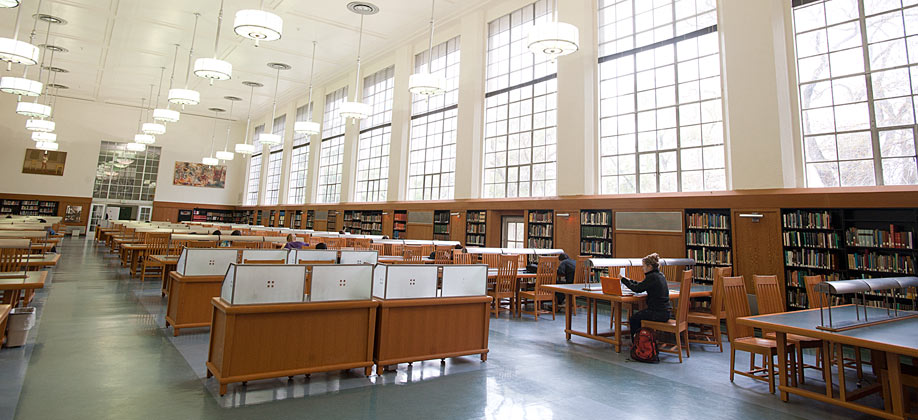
column 432, row 150
column 857, row 74
column 661, row 109
column 375, row 134
column 332, row 151
column 254, row 178
column 520, row 109
column 299, row 160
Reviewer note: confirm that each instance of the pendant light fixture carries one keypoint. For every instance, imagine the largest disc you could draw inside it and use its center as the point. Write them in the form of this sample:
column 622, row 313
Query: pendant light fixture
column 47, row 146
column 45, row 137
column 187, row 96
column 258, row 24
column 309, row 127
column 357, row 110
column 428, row 84
column 141, row 137
column 269, row 138
column 166, row 115
column 225, row 154
column 9, row 3
column 136, row 147
column 214, row 68
column 210, row 159
column 35, row 109
column 154, row 128
column 245, row 148
column 41, row 124
column 15, row 51
column 554, row 39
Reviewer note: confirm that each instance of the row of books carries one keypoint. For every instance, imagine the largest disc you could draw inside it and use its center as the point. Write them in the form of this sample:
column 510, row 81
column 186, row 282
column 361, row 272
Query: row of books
column 399, row 225
column 601, row 218
column 474, row 240
column 704, row 272
column 540, row 217
column 797, row 299
column 710, row 256
column 441, row 217
column 807, row 220
column 596, row 247
column 544, row 231
column 707, row 238
column 810, row 258
column 476, row 228
column 371, row 217
column 796, row 277
column 476, row 216
column 707, row 221
column 879, row 238
column 441, row 237
column 595, row 232
column 871, row 261
column 444, row 229
column 540, row 243
column 371, row 226
column 812, row 239
column 400, row 216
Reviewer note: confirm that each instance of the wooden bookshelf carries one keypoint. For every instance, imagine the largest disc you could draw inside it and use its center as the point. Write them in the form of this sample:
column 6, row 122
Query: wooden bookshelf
column 271, row 215
column 371, row 222
column 332, row 222
column 540, row 231
column 813, row 245
column 441, row 225
column 310, row 219
column 399, row 224
column 708, row 241
column 297, row 222
column 476, row 227
column 258, row 219
column 28, row 208
column 281, row 218
column 881, row 243
column 596, row 233
column 352, row 221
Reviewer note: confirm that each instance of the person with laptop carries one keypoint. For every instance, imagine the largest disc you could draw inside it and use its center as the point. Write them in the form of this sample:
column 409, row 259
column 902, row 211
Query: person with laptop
column 293, row 243
column 654, row 283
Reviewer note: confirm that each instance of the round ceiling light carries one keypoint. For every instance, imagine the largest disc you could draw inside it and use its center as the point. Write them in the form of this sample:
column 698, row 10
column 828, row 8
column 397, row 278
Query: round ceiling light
column 9, row 3
column 426, row 84
column 54, row 48
column 225, row 155
column 245, row 148
column 44, row 145
column 166, row 115
column 50, row 19
column 363, row 8
column 154, row 129
column 210, row 161
column 33, row 109
column 554, row 39
column 44, row 136
column 57, row 86
column 184, row 96
column 40, row 125
column 56, row 69
column 308, row 128
column 136, row 147
column 20, row 86
column 212, row 68
column 251, row 84
column 18, row 52
column 258, row 25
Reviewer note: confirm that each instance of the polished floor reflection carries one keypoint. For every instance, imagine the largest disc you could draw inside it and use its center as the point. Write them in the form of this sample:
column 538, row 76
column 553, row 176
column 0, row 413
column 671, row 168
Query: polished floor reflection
column 100, row 350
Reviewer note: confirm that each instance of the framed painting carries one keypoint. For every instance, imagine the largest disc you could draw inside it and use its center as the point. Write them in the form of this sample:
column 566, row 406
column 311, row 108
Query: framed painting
column 44, row 162
column 193, row 174
column 74, row 214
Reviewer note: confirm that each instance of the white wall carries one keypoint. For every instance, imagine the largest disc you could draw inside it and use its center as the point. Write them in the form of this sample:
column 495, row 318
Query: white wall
column 82, row 125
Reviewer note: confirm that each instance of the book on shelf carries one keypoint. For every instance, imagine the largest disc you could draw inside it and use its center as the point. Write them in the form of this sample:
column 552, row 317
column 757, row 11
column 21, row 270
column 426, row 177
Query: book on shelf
column 718, row 238
column 710, row 256
column 881, row 263
column 595, row 232
column 707, row 221
column 543, row 243
column 801, row 219
column 595, row 247
column 596, row 217
column 474, row 240
column 475, row 216
column 809, row 258
column 876, row 238
column 543, row 231
column 795, row 238
column 540, row 216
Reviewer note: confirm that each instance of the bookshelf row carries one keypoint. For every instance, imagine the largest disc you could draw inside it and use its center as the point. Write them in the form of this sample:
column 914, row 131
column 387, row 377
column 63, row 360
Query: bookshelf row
column 708, row 241
column 441, row 225
column 476, row 227
column 28, row 208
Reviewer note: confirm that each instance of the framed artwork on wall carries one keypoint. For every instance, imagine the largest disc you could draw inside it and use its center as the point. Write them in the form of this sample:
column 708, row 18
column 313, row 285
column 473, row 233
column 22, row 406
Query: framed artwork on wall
column 44, row 162
column 193, row 174
column 74, row 214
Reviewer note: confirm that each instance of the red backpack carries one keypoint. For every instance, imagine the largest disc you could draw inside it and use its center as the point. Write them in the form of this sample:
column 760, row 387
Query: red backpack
column 644, row 346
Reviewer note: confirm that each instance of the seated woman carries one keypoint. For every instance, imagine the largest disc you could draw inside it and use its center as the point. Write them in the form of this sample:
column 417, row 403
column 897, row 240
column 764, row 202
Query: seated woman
column 658, row 306
column 292, row 243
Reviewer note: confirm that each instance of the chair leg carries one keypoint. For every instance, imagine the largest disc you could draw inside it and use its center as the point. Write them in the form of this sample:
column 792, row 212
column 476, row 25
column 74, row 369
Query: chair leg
column 536, row 307
column 679, row 345
column 732, row 362
column 553, row 309
column 688, row 345
column 801, row 366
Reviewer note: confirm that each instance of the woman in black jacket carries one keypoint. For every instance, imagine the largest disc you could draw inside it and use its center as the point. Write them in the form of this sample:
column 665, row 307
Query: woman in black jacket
column 658, row 306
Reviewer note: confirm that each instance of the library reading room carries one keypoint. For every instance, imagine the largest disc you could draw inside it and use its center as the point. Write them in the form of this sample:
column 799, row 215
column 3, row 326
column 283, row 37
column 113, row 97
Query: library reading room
column 442, row 209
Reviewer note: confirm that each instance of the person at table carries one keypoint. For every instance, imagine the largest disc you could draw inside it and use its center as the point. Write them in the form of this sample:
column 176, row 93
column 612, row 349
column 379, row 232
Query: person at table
column 292, row 243
column 449, row 256
column 236, row 233
column 566, row 269
column 321, row 245
column 654, row 283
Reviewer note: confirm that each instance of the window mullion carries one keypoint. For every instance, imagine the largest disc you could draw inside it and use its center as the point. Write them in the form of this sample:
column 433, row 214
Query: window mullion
column 874, row 132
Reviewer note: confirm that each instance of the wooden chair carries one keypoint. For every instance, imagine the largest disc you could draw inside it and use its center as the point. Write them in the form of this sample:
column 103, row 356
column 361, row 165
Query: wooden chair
column 379, row 248
column 492, row 260
column 361, row 243
column 709, row 322
column 678, row 326
column 815, row 300
column 410, row 257
column 505, row 285
column 426, row 249
column 11, row 259
column 396, row 249
column 547, row 273
column 443, row 257
column 771, row 301
column 581, row 276
column 464, row 258
column 157, row 244
column 278, row 262
column 743, row 338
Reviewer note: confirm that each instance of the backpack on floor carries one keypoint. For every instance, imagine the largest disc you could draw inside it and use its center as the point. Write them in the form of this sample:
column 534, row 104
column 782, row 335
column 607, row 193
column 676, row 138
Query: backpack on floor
column 644, row 346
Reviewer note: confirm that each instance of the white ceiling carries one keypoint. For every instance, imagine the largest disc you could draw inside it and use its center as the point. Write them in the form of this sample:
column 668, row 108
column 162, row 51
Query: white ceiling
column 117, row 47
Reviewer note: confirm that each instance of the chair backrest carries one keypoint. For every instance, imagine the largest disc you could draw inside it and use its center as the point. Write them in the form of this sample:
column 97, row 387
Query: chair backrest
column 546, row 273
column 768, row 294
column 379, row 248
column 815, row 299
column 248, row 261
column 506, row 274
column 717, row 291
column 409, row 257
column 582, row 270
column 737, row 304
column 11, row 259
column 361, row 243
column 523, row 260
column 157, row 243
column 426, row 249
column 396, row 249
column 492, row 260
column 685, row 296
column 314, row 262
column 443, row 257
column 464, row 258
column 635, row 273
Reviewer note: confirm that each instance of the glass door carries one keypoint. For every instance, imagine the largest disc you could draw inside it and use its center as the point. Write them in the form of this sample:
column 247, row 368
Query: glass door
column 145, row 213
column 513, row 232
column 95, row 218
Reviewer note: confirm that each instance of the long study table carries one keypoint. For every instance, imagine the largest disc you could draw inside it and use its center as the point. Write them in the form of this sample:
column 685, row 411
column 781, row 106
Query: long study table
column 14, row 284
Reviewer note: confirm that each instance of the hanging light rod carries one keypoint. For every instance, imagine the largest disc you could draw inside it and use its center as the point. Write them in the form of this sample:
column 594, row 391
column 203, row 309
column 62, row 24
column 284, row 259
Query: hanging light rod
column 214, row 68
column 211, row 160
column 428, row 84
column 356, row 109
column 226, row 154
column 245, row 148
column 270, row 138
column 309, row 127
column 187, row 96
column 166, row 115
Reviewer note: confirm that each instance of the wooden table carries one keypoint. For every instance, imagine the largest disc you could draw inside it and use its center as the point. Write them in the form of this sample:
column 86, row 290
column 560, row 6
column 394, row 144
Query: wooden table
column 134, row 252
column 887, row 342
column 41, row 248
column 189, row 305
column 39, row 261
column 15, row 284
column 169, row 262
column 613, row 337
column 4, row 317
column 249, row 342
column 413, row 330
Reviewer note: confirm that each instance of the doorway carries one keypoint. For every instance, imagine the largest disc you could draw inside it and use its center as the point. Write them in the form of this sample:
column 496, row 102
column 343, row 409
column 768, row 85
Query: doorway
column 513, row 232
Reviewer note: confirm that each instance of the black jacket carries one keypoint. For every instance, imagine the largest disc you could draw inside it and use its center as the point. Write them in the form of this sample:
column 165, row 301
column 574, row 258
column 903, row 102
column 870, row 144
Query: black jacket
column 657, row 290
column 566, row 269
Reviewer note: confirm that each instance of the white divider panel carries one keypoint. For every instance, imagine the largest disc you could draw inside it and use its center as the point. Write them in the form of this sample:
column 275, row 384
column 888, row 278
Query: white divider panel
column 341, row 282
column 359, row 257
column 205, row 261
column 190, row 237
column 296, row 255
column 264, row 254
column 464, row 280
column 405, row 281
column 483, row 250
column 263, row 284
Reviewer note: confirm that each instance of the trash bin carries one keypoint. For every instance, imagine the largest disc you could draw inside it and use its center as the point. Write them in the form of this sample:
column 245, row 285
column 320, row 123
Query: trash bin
column 20, row 322
column 75, row 233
